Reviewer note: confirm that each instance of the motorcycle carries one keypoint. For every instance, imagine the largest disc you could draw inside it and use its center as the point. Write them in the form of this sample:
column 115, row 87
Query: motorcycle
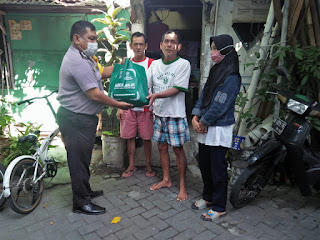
column 290, row 144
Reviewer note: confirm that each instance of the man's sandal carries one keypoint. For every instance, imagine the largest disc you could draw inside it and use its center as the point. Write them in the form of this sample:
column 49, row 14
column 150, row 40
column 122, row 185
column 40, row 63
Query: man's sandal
column 128, row 173
column 200, row 204
column 213, row 215
column 150, row 173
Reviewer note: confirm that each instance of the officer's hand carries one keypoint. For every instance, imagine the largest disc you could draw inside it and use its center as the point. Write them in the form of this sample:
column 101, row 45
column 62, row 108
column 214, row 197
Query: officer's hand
column 125, row 106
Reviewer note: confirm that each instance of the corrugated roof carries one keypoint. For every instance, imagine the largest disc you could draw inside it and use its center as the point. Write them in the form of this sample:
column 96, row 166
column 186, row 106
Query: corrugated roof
column 55, row 2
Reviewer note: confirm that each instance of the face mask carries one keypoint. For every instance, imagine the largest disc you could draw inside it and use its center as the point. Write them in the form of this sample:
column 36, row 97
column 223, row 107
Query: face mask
column 91, row 50
column 216, row 55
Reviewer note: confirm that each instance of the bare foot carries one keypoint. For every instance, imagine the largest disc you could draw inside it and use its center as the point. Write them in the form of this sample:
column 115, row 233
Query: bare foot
column 162, row 184
column 182, row 196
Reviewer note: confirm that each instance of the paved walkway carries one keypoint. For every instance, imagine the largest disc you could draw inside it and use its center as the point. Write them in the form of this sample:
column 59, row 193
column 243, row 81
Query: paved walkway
column 279, row 213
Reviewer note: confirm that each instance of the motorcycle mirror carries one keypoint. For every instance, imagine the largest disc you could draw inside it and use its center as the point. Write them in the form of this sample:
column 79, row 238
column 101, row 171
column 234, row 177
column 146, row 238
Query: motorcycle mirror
column 282, row 71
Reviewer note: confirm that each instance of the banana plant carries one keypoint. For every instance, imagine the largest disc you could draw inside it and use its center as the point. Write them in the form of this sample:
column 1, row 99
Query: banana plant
column 111, row 35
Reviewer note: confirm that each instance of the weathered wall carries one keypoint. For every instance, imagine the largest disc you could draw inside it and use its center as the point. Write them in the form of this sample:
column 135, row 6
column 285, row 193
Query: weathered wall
column 37, row 54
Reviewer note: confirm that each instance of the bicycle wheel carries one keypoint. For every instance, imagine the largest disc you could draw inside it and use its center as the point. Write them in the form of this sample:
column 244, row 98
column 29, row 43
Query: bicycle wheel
column 2, row 198
column 25, row 193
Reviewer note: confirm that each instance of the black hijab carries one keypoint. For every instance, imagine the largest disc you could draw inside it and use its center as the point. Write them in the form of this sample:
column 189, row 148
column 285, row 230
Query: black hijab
column 218, row 73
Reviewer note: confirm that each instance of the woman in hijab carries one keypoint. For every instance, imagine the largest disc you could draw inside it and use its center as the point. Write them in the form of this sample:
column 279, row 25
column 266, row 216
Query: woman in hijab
column 213, row 121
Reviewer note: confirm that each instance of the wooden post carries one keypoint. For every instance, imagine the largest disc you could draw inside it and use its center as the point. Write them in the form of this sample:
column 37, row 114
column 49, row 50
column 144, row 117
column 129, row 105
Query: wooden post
column 309, row 24
column 294, row 13
column 315, row 20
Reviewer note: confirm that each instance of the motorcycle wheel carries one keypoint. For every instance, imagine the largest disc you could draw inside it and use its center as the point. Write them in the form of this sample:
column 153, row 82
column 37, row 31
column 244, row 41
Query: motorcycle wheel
column 2, row 171
column 250, row 183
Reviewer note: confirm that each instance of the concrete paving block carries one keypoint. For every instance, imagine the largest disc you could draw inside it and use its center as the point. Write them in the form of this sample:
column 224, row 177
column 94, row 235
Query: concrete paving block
column 57, row 225
column 135, row 212
column 38, row 234
column 90, row 228
column 168, row 233
column 246, row 227
column 213, row 227
column 184, row 215
column 167, row 214
column 73, row 235
column 74, row 217
column 156, row 195
column 110, row 237
column 152, row 212
column 92, row 236
column 310, row 223
column 162, row 205
column 187, row 234
column 131, row 202
column 206, row 235
column 126, row 208
column 177, row 225
column 146, row 233
column 158, row 223
column 140, row 222
column 293, row 233
column 108, row 229
column 125, row 222
column 180, row 206
column 146, row 204
column 18, row 234
column 127, row 232
column 228, row 236
column 193, row 225
column 90, row 218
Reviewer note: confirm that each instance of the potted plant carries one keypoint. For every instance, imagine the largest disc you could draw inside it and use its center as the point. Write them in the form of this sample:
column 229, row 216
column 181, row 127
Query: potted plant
column 112, row 37
column 113, row 147
column 5, row 120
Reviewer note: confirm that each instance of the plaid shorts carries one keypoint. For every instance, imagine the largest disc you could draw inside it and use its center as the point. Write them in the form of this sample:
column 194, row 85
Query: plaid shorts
column 173, row 131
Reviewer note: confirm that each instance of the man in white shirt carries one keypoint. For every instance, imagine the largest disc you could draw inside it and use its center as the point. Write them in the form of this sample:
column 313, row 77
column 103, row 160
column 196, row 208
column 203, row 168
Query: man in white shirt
column 137, row 119
column 169, row 79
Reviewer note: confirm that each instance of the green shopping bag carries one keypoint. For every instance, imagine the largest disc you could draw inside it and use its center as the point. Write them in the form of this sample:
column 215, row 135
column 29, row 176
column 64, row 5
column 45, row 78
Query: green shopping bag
column 128, row 83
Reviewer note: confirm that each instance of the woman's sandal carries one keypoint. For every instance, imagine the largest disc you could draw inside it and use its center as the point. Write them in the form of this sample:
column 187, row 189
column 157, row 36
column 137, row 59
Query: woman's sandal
column 200, row 204
column 213, row 215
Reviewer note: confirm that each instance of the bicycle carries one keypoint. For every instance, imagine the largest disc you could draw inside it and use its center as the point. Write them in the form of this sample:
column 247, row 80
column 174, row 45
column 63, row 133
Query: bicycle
column 2, row 171
column 23, row 179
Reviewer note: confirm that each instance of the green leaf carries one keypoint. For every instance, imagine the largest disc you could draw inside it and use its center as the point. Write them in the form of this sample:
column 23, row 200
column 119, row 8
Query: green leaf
column 98, row 10
column 304, row 80
column 108, row 34
column 122, row 19
column 110, row 9
column 298, row 52
column 101, row 20
column 116, row 12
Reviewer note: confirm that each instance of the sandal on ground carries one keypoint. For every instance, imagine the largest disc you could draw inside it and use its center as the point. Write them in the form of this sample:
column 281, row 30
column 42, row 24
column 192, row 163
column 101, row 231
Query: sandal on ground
column 213, row 215
column 128, row 173
column 200, row 204
column 150, row 173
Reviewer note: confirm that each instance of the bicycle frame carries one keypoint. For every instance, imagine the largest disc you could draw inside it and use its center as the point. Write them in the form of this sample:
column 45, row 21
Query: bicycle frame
column 40, row 157
column 41, row 154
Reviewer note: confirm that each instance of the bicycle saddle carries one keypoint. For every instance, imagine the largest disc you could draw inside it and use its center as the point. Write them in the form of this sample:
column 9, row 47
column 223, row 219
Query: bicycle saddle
column 29, row 138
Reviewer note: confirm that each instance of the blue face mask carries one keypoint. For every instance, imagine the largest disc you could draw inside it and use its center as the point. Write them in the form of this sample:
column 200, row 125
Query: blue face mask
column 91, row 50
